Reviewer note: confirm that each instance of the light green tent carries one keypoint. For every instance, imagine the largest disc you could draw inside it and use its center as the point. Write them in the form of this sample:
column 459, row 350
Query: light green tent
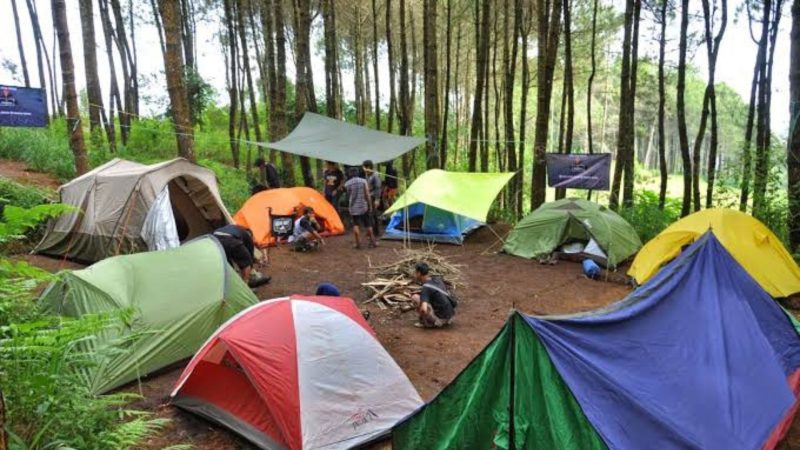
column 557, row 223
column 449, row 204
column 177, row 299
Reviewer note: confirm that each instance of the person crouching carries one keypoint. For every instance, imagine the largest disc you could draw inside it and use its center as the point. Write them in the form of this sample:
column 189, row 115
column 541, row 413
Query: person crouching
column 435, row 303
column 306, row 235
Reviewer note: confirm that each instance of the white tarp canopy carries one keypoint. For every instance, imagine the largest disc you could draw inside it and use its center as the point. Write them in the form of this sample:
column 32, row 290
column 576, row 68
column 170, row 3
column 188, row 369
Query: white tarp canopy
column 329, row 139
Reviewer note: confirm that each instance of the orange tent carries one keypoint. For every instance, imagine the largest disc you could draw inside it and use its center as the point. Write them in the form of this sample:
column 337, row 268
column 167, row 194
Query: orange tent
column 255, row 213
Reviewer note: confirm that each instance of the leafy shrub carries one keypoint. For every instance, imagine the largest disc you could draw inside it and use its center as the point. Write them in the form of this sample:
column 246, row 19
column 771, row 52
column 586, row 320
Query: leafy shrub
column 233, row 185
column 42, row 358
column 647, row 218
column 12, row 193
column 42, row 149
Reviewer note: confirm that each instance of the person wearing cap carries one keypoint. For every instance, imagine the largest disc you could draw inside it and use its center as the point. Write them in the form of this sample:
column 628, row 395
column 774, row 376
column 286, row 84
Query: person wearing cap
column 435, row 304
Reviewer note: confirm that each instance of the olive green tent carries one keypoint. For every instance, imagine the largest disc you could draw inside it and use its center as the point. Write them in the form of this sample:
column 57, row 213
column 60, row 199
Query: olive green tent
column 175, row 300
column 610, row 238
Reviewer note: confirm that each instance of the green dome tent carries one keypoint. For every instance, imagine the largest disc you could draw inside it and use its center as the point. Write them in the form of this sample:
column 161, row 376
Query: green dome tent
column 177, row 299
column 564, row 221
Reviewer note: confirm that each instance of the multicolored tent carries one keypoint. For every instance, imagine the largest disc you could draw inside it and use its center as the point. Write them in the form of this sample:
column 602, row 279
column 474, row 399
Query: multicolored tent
column 177, row 299
column 699, row 357
column 259, row 210
column 560, row 222
column 749, row 241
column 442, row 206
column 298, row 373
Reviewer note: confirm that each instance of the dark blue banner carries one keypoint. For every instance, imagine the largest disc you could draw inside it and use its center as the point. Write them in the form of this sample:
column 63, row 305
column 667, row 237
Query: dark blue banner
column 582, row 171
column 22, row 107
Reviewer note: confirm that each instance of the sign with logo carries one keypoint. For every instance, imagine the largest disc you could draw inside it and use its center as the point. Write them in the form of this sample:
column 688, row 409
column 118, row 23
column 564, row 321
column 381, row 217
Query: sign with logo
column 22, row 107
column 581, row 171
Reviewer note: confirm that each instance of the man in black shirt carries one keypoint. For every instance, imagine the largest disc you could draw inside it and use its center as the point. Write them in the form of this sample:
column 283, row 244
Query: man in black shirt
column 435, row 304
column 334, row 183
column 237, row 241
column 268, row 172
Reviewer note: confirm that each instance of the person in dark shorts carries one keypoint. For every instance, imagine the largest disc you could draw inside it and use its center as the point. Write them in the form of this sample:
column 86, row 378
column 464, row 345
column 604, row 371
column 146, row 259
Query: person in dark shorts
column 374, row 184
column 435, row 303
column 334, row 183
column 358, row 196
column 237, row 241
column 306, row 235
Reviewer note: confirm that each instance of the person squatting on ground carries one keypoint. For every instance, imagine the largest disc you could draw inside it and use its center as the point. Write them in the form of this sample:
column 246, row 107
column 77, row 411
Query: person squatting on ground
column 334, row 183
column 360, row 206
column 237, row 242
column 305, row 235
column 374, row 184
column 435, row 303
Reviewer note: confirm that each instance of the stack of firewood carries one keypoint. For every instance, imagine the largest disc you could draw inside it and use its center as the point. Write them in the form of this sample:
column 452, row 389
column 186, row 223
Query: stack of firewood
column 392, row 285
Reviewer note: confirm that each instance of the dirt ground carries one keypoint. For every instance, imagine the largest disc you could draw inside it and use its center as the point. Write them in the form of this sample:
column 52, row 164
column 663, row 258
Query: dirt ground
column 19, row 172
column 494, row 284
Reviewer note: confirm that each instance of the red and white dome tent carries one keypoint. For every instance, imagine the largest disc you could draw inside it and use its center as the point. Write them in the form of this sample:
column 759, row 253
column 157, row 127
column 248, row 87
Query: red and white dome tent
column 299, row 372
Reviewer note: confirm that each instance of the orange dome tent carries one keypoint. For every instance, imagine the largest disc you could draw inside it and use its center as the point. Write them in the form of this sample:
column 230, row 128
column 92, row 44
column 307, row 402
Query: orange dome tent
column 255, row 213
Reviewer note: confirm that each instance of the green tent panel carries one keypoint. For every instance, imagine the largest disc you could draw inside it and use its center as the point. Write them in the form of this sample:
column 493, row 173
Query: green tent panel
column 514, row 374
column 556, row 223
column 176, row 299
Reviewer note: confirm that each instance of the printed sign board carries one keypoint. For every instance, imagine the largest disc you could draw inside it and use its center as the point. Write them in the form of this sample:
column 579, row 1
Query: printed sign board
column 22, row 107
column 579, row 171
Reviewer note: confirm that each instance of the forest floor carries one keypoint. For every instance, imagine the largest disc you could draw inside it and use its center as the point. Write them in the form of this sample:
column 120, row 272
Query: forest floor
column 493, row 285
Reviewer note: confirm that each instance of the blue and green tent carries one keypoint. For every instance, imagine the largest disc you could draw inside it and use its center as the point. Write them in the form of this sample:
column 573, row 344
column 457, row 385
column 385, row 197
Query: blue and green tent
column 699, row 357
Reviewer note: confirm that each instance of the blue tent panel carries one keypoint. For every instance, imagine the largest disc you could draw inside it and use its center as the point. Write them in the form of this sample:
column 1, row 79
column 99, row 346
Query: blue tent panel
column 696, row 358
column 437, row 225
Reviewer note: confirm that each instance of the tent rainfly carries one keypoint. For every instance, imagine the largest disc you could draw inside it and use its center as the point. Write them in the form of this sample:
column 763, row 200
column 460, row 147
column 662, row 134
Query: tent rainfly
column 127, row 207
column 329, row 139
column 177, row 298
column 444, row 206
column 298, row 373
column 750, row 242
column 699, row 357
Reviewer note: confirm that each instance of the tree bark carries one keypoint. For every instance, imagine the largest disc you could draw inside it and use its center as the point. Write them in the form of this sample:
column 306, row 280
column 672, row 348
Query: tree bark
column 568, row 87
column 249, row 78
column 173, row 67
column 680, row 107
column 512, row 29
column 431, row 75
column 93, row 92
column 20, row 48
column 793, row 148
column 390, row 56
column 405, row 101
column 278, row 112
column 304, row 87
column 375, row 64
column 41, row 54
column 114, row 101
column 332, row 103
column 524, row 24
column 747, row 155
column 590, row 82
column 713, row 52
column 74, row 128
column 662, row 98
column 447, row 76
column 232, row 78
column 481, row 63
column 548, row 31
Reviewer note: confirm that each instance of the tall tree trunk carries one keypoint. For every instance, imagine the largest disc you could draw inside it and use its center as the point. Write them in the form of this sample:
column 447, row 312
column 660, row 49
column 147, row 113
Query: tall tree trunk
column 93, row 92
column 74, row 128
column 447, row 73
column 20, row 48
column 589, row 83
column 627, row 191
column 173, row 67
column 375, row 64
column 232, row 78
column 114, row 101
column 713, row 52
column 524, row 23
column 548, row 30
column 41, row 54
column 662, row 98
column 404, row 101
column 481, row 64
column 304, row 88
column 248, row 75
column 333, row 106
column 358, row 67
column 793, row 148
column 680, row 107
column 747, row 155
column 512, row 29
column 157, row 21
column 431, row 76
column 128, row 70
column 568, row 87
column 390, row 56
column 278, row 111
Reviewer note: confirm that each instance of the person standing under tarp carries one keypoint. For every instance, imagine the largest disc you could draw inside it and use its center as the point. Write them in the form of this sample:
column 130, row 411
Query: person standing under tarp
column 267, row 171
column 390, row 183
column 334, row 183
column 358, row 196
column 374, row 184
